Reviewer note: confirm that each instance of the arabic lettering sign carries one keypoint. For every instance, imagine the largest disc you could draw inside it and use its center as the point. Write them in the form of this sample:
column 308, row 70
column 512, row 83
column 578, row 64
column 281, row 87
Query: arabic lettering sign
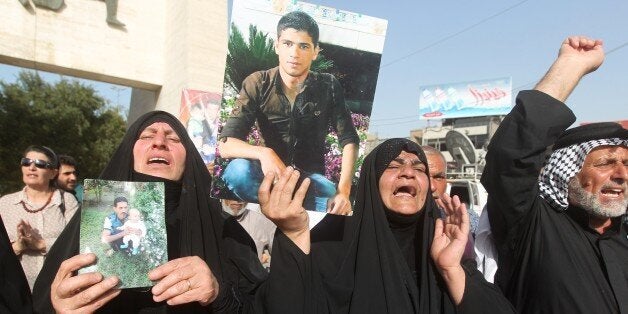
column 467, row 99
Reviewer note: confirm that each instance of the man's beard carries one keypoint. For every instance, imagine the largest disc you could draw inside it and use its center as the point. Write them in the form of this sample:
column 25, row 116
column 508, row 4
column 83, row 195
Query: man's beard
column 591, row 204
column 230, row 211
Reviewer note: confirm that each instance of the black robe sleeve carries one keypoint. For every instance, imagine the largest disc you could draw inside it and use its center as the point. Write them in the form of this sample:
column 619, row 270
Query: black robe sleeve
column 481, row 296
column 15, row 294
column 287, row 288
column 244, row 271
column 513, row 163
column 515, row 157
column 66, row 246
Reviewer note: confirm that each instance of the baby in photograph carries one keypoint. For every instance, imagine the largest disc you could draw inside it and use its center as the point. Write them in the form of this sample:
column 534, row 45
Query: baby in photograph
column 135, row 224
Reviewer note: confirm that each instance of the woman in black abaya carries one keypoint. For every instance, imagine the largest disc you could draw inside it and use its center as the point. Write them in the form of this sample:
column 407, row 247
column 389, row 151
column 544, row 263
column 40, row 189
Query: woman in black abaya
column 213, row 265
column 392, row 256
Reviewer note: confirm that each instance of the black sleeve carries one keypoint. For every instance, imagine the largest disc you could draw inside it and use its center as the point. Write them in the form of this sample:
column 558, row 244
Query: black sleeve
column 481, row 296
column 515, row 157
column 341, row 118
column 288, row 285
column 243, row 273
column 66, row 246
column 15, row 294
column 244, row 112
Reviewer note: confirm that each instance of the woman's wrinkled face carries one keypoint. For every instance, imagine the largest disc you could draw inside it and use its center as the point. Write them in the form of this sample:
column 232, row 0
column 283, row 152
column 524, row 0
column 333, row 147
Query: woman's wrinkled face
column 404, row 185
column 159, row 152
column 34, row 176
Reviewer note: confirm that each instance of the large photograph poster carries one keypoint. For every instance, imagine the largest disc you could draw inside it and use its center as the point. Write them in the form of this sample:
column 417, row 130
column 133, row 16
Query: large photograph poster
column 301, row 97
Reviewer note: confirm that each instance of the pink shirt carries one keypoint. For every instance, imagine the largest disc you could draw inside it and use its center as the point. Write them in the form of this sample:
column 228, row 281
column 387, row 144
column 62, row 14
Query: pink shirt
column 49, row 222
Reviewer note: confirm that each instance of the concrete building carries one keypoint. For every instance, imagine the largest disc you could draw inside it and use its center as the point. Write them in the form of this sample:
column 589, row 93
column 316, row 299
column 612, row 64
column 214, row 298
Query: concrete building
column 164, row 47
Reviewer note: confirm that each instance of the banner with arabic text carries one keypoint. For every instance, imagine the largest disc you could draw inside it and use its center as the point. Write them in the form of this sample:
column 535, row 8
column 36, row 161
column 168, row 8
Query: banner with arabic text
column 467, row 99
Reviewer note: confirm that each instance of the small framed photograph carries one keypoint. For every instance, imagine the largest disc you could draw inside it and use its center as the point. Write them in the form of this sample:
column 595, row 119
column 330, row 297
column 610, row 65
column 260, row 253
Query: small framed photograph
column 123, row 223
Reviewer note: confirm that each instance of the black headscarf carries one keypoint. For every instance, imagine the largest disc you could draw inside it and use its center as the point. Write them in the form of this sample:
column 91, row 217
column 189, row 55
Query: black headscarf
column 195, row 225
column 381, row 247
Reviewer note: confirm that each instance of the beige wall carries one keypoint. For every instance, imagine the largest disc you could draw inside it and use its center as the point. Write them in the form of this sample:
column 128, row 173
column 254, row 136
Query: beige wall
column 167, row 45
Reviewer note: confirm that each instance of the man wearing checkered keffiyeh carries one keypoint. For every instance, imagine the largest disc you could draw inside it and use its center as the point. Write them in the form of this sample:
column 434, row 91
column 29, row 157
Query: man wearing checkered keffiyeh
column 562, row 246
column 564, row 163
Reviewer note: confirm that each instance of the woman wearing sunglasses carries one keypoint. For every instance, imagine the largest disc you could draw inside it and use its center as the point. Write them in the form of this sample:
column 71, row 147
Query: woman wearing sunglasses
column 35, row 216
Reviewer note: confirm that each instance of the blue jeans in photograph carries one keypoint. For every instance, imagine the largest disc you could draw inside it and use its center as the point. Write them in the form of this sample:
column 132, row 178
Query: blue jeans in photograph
column 243, row 177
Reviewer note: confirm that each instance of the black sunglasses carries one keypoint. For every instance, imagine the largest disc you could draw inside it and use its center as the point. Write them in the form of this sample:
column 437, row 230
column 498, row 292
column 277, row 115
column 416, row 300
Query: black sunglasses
column 41, row 164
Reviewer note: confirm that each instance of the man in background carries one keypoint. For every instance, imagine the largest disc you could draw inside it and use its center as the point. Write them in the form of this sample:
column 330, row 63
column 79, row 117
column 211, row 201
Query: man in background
column 437, row 165
column 260, row 228
column 67, row 179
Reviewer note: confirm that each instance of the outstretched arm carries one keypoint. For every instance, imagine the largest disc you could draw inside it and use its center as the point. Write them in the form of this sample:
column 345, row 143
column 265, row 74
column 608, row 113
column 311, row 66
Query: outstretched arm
column 517, row 149
column 577, row 57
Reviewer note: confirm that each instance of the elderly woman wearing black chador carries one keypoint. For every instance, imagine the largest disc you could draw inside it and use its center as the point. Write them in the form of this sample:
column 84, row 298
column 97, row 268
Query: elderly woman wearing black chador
column 213, row 265
column 393, row 256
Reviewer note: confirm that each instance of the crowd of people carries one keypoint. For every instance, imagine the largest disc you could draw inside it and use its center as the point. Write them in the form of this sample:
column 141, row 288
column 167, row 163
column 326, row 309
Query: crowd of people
column 557, row 222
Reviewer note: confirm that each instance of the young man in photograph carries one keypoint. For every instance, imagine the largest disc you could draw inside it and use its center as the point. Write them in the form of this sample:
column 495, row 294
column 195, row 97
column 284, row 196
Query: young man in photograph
column 294, row 109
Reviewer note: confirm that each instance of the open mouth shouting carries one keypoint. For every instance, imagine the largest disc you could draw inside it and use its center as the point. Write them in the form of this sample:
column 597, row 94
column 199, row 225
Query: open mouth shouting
column 403, row 185
column 404, row 196
column 405, row 191
column 613, row 191
column 158, row 161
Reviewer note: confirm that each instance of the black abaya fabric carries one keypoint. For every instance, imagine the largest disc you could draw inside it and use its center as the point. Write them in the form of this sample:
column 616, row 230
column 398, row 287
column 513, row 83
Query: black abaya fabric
column 15, row 294
column 195, row 225
column 357, row 265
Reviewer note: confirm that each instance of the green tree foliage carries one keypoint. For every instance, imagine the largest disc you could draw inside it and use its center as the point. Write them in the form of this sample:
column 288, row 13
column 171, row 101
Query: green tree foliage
column 246, row 57
column 67, row 116
column 96, row 188
column 258, row 53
